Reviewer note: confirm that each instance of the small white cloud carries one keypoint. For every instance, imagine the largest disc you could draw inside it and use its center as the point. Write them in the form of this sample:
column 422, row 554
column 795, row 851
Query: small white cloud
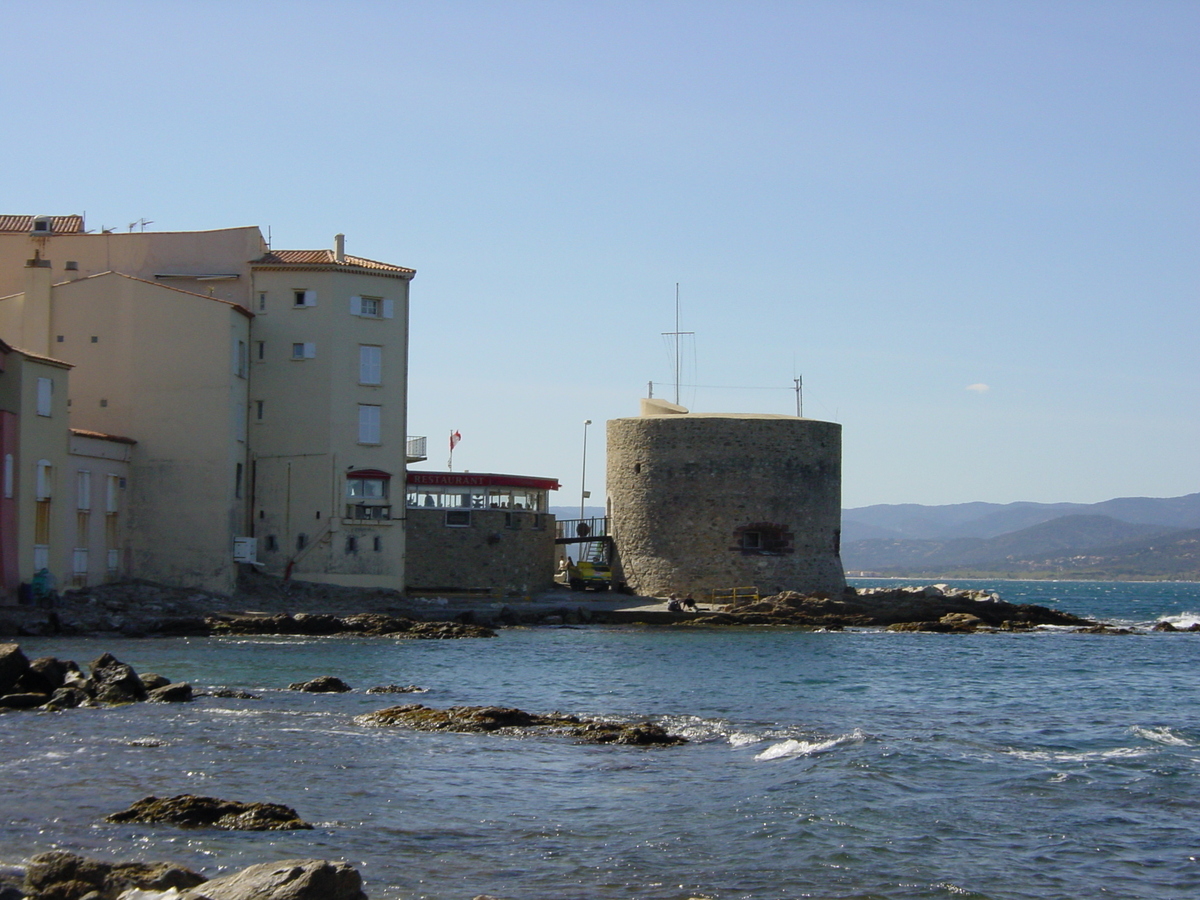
column 978, row 388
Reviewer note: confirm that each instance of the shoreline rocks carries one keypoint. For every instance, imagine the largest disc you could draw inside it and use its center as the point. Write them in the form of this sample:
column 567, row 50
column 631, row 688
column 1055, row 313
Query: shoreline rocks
column 60, row 875
column 192, row 811
column 509, row 720
column 53, row 684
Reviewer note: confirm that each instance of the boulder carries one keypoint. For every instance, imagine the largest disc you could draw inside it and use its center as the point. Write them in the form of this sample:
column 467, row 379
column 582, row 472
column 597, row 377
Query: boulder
column 152, row 680
column 178, row 692
column 290, row 879
column 67, row 698
column 191, row 811
column 45, row 675
column 235, row 694
column 108, row 671
column 323, row 684
column 59, row 875
column 961, row 621
column 13, row 664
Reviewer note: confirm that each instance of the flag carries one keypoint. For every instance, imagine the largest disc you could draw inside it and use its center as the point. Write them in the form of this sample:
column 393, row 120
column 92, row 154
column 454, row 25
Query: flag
column 455, row 437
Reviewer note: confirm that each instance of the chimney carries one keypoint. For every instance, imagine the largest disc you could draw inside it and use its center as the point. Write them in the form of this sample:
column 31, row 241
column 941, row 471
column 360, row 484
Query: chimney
column 35, row 307
column 339, row 248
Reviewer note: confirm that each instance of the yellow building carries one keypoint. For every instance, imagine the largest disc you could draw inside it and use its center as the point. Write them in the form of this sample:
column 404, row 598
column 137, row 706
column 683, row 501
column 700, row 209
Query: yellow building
column 262, row 395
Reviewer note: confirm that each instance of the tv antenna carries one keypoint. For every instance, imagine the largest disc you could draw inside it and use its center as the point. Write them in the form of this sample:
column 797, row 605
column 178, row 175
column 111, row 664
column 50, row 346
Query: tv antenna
column 677, row 334
column 142, row 222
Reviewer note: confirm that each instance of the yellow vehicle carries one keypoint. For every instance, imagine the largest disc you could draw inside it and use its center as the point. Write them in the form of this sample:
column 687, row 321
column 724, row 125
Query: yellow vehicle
column 585, row 575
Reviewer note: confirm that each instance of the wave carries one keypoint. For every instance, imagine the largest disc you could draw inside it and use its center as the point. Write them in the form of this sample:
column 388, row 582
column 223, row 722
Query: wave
column 1079, row 756
column 1160, row 735
column 793, row 748
column 1183, row 620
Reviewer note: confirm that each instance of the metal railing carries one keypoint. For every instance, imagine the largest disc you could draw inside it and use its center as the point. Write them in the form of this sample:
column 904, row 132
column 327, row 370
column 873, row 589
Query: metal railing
column 594, row 527
column 732, row 595
column 417, row 449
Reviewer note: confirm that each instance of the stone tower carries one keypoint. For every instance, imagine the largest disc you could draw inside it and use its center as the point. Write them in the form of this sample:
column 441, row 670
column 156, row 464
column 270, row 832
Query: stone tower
column 704, row 501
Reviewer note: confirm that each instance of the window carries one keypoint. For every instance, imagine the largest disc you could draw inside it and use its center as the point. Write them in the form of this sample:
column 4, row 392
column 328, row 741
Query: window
column 764, row 539
column 110, row 501
column 258, row 410
column 237, row 480
column 368, row 423
column 8, row 475
column 371, row 307
column 262, row 301
column 370, row 364
column 301, row 541
column 272, row 543
column 45, row 396
column 351, row 544
column 378, row 543
column 304, row 298
column 262, row 350
column 458, row 518
column 44, row 476
column 367, row 488
column 304, row 351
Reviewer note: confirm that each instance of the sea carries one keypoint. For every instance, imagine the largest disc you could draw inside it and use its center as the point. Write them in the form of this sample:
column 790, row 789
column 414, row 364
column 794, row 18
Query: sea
column 855, row 764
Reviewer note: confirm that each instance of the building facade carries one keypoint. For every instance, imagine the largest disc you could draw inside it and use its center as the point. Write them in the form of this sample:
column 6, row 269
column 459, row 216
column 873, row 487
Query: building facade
column 258, row 394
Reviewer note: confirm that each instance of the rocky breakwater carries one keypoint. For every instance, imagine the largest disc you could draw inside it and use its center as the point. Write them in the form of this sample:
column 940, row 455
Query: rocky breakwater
column 933, row 608
column 367, row 624
column 59, row 875
column 507, row 720
column 54, row 684
column 192, row 811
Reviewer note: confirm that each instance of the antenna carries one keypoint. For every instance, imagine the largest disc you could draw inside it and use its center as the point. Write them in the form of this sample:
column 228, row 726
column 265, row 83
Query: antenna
column 799, row 396
column 676, row 334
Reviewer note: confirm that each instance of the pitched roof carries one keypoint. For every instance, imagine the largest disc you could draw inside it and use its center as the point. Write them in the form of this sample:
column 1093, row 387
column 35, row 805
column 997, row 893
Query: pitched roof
column 100, row 435
column 327, row 259
column 166, row 287
column 58, row 224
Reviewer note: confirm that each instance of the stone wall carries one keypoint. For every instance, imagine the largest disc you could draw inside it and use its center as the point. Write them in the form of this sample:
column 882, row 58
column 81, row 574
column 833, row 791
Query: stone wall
column 500, row 550
column 703, row 502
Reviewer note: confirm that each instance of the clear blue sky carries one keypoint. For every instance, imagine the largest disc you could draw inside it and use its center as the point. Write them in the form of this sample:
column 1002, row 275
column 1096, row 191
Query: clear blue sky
column 972, row 228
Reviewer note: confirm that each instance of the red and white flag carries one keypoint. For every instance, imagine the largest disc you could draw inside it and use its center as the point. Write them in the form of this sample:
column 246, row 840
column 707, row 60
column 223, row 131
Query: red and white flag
column 455, row 437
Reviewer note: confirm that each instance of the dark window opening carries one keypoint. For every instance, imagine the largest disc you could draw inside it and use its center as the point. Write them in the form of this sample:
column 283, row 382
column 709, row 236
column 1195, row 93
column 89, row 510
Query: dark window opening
column 301, row 541
column 378, row 541
column 458, row 518
column 272, row 543
column 763, row 539
column 351, row 544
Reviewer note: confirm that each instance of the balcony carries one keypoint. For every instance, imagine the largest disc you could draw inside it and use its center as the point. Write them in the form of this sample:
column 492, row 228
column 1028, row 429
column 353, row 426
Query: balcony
column 416, row 450
column 367, row 512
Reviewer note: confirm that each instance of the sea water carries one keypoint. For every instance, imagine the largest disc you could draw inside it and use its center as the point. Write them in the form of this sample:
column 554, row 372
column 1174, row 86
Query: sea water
column 856, row 764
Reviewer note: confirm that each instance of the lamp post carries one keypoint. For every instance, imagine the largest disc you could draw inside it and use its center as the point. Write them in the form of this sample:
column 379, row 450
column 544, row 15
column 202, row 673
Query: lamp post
column 583, row 477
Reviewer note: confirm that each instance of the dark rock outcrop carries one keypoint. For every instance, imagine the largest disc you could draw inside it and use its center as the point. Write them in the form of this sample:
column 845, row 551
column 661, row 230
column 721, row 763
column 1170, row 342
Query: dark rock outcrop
column 369, row 624
column 59, row 875
column 178, row 692
column 13, row 664
column 322, row 684
column 934, row 608
column 116, row 682
column 191, row 811
column 396, row 689
column 235, row 694
column 508, row 720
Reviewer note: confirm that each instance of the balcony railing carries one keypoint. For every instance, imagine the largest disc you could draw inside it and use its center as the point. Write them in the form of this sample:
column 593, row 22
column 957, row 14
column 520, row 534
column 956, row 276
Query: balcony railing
column 595, row 527
column 416, row 449
column 363, row 511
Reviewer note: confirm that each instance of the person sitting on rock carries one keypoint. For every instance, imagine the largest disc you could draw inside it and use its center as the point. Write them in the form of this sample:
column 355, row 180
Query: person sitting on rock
column 673, row 605
column 689, row 604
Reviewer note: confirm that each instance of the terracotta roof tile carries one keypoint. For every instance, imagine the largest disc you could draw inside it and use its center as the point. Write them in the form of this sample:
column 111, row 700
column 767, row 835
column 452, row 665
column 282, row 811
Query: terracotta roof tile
column 58, row 224
column 326, row 258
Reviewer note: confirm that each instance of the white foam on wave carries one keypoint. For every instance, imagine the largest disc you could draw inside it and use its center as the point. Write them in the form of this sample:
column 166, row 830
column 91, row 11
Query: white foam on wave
column 1062, row 756
column 1183, row 620
column 793, row 747
column 1160, row 735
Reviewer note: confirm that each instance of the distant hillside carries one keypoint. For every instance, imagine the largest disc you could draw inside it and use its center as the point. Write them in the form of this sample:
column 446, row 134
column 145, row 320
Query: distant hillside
column 913, row 521
column 1098, row 547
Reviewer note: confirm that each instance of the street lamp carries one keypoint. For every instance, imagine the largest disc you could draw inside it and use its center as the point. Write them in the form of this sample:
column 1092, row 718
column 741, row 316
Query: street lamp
column 583, row 477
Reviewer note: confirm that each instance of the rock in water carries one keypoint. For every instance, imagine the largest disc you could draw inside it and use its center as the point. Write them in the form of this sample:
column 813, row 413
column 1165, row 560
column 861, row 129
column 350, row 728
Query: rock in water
column 115, row 681
column 290, row 879
column 323, row 684
column 65, row 876
column 13, row 664
column 191, row 811
column 177, row 692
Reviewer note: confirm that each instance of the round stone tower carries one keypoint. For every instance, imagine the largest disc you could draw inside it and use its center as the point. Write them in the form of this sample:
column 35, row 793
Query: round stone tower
column 711, row 501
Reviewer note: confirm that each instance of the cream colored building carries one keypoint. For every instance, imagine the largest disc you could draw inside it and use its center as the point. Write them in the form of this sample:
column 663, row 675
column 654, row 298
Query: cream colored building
column 262, row 395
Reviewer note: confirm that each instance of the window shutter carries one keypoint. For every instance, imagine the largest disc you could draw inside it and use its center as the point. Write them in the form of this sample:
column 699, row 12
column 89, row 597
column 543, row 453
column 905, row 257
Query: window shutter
column 84, row 490
column 111, row 499
column 356, row 305
column 310, row 298
column 310, row 351
column 43, row 479
column 388, row 309
column 45, row 395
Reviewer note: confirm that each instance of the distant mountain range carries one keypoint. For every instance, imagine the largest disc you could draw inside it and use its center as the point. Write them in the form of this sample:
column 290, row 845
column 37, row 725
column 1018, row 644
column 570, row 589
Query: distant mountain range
column 1126, row 538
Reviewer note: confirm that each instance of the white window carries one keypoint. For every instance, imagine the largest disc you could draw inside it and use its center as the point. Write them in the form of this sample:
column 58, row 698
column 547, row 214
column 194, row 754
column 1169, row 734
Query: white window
column 41, row 557
column 304, row 298
column 371, row 307
column 80, row 562
column 372, row 487
column 262, row 301
column 370, row 364
column 368, row 423
column 83, row 489
column 111, row 487
column 45, row 396
column 113, row 561
column 8, row 475
column 304, row 351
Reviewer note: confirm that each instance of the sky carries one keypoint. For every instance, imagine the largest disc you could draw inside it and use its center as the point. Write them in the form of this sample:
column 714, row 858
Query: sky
column 972, row 229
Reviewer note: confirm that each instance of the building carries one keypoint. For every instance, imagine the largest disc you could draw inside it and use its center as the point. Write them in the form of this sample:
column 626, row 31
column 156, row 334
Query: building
column 712, row 501
column 475, row 532
column 260, row 394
